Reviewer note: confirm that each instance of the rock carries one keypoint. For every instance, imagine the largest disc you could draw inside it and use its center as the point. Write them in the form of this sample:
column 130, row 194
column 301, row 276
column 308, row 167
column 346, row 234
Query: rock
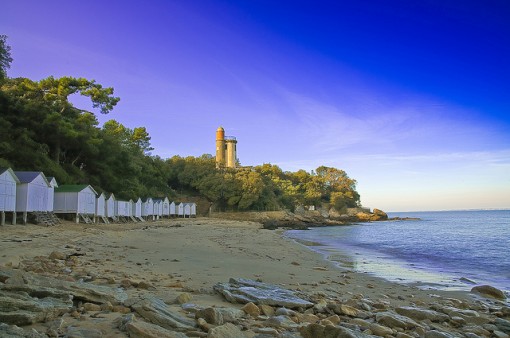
column 245, row 290
column 227, row 330
column 210, row 315
column 230, row 315
column 121, row 309
column 470, row 316
column 139, row 329
column 267, row 310
column 284, row 312
column 380, row 330
column 86, row 292
column 80, row 332
column 490, row 291
column 499, row 334
column 251, row 309
column 23, row 309
column 284, row 322
column 267, row 331
column 380, row 214
column 57, row 255
column 91, row 307
column 309, row 318
column 394, row 320
column 157, row 312
column 145, row 286
column 422, row 314
column 503, row 325
column 348, row 310
column 183, row 298
column 13, row 331
column 437, row 334
column 361, row 323
column 330, row 331
column 335, row 320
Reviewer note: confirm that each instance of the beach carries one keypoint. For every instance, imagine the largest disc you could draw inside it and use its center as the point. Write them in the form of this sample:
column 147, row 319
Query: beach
column 176, row 257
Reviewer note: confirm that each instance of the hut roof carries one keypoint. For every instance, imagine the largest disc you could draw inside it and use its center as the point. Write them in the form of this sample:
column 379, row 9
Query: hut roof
column 73, row 188
column 29, row 176
column 2, row 170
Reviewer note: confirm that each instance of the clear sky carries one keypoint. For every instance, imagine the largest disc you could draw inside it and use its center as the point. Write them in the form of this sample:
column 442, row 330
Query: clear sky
column 410, row 98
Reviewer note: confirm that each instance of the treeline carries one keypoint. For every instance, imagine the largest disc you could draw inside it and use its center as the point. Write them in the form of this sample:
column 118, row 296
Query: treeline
column 41, row 130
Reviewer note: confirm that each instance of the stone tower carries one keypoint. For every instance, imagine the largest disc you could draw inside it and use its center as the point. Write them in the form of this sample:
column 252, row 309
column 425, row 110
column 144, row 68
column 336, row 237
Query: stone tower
column 226, row 150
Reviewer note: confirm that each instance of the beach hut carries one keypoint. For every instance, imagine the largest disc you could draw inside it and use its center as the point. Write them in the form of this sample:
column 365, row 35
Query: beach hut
column 172, row 210
column 32, row 193
column 192, row 209
column 180, row 210
column 137, row 210
column 148, row 208
column 157, row 206
column 110, row 207
column 101, row 208
column 123, row 210
column 79, row 199
column 51, row 192
column 165, row 207
column 8, row 182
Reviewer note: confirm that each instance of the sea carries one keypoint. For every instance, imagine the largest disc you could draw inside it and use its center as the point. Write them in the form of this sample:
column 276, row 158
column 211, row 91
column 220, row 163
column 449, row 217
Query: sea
column 446, row 250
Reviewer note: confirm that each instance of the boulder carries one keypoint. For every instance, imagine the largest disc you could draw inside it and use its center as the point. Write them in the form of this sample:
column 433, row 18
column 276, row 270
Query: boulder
column 227, row 330
column 438, row 334
column 490, row 291
column 503, row 325
column 157, row 312
column 251, row 309
column 23, row 309
column 380, row 215
column 139, row 329
column 422, row 314
column 242, row 290
column 394, row 320
column 330, row 331
column 282, row 322
column 13, row 331
column 210, row 315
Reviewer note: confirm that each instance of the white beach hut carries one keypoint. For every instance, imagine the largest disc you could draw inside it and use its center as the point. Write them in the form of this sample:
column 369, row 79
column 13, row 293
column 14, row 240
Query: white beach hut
column 51, row 192
column 8, row 182
column 110, row 207
column 157, row 206
column 101, row 208
column 165, row 211
column 123, row 209
column 192, row 209
column 137, row 210
column 180, row 210
column 32, row 193
column 172, row 210
column 77, row 199
column 148, row 208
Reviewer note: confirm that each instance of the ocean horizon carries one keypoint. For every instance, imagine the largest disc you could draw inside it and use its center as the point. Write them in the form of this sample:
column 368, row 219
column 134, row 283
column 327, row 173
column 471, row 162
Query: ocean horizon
column 448, row 250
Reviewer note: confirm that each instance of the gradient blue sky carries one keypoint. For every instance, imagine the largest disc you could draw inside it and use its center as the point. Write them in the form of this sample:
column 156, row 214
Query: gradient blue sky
column 410, row 98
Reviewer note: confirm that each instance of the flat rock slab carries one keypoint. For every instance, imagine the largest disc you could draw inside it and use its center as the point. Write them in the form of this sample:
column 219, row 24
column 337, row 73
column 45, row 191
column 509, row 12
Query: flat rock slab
column 240, row 290
column 157, row 312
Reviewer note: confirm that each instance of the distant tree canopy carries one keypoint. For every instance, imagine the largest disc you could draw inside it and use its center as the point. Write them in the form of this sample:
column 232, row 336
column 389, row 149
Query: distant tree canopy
column 5, row 56
column 41, row 130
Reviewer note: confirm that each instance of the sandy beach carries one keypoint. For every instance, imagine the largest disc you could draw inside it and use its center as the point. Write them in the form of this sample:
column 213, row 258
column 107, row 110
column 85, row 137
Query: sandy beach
column 189, row 256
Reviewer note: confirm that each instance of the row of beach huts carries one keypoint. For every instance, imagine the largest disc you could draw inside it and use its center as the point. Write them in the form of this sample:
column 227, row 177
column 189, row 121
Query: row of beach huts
column 32, row 194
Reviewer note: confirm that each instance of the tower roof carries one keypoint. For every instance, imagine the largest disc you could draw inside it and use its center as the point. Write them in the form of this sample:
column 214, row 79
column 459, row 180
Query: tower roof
column 220, row 128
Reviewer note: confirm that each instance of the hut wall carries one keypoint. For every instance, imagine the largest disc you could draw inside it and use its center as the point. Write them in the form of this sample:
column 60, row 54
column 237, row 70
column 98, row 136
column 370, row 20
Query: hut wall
column 7, row 192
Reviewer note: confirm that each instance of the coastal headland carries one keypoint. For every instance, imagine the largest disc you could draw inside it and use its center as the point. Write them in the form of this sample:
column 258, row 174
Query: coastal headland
column 212, row 277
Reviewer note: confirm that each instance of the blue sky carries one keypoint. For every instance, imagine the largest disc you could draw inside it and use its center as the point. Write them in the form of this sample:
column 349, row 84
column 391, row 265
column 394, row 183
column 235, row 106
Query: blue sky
column 411, row 99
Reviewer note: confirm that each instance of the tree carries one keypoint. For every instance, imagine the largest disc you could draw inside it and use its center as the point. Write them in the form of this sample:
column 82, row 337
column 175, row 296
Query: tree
column 5, row 56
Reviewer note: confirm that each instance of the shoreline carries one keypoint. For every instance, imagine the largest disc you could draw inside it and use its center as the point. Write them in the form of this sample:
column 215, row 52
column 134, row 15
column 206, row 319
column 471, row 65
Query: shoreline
column 190, row 256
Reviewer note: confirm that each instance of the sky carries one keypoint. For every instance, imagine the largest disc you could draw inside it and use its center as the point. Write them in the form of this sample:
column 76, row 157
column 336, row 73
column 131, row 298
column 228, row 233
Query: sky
column 410, row 98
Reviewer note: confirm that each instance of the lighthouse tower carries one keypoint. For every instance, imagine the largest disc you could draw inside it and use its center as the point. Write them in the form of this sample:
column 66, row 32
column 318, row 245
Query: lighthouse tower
column 226, row 150
column 220, row 147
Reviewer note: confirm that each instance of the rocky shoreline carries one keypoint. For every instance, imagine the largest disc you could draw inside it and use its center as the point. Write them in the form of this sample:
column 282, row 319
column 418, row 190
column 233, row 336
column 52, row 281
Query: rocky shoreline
column 80, row 291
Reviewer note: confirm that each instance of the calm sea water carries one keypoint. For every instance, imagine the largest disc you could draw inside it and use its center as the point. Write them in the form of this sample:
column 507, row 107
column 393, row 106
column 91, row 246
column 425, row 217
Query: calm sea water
column 444, row 250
